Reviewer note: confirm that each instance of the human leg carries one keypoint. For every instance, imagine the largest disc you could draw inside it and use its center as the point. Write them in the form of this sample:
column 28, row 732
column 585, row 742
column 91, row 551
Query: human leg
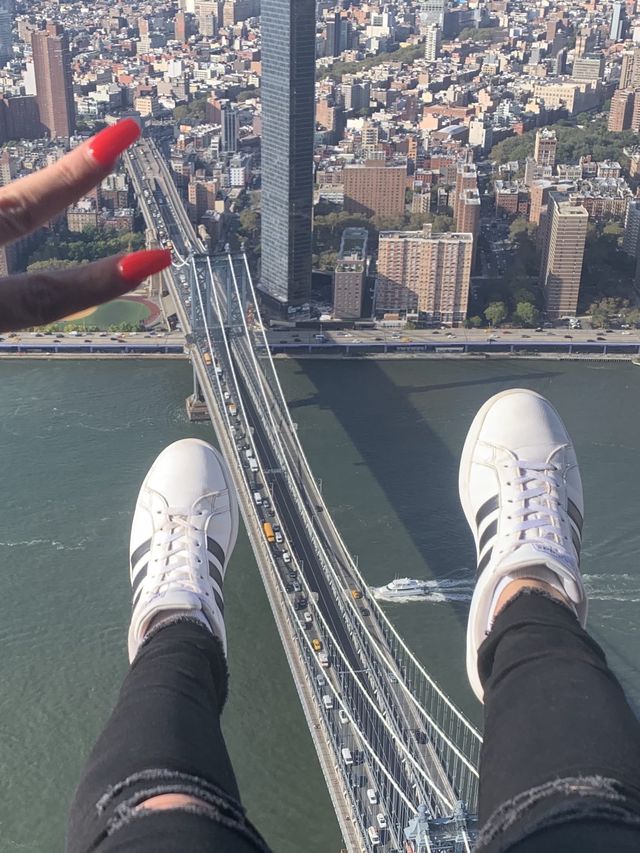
column 562, row 748
column 160, row 778
column 561, row 744
column 164, row 737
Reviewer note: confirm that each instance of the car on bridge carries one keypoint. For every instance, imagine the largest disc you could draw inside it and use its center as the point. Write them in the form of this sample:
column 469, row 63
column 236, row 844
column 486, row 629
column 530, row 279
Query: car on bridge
column 317, row 644
column 381, row 820
column 356, row 594
column 308, row 618
column 372, row 796
column 372, row 832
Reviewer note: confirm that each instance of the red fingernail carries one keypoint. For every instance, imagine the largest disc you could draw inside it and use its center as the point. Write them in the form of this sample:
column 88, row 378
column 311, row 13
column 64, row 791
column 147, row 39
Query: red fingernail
column 135, row 267
column 108, row 145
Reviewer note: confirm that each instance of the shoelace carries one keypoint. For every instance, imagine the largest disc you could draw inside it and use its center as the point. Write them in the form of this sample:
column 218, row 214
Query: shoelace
column 540, row 480
column 173, row 548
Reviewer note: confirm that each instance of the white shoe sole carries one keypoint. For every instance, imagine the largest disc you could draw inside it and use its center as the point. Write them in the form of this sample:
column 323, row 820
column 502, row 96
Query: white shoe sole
column 486, row 579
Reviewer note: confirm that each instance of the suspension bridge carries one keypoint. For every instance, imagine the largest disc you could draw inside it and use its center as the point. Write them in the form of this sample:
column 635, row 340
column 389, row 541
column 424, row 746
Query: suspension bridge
column 400, row 760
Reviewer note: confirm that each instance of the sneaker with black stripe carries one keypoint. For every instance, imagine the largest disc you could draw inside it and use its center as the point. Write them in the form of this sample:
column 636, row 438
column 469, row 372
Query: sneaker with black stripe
column 521, row 493
column 184, row 529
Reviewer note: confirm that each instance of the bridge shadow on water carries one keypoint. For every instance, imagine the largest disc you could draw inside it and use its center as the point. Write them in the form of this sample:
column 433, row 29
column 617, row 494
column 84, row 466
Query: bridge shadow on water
column 415, row 468
column 409, row 438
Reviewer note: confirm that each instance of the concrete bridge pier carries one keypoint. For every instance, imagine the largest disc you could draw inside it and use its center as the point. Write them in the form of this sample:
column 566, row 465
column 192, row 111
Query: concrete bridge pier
column 197, row 410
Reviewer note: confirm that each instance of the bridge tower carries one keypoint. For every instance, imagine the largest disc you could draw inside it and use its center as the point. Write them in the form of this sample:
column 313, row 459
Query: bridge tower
column 197, row 410
column 154, row 282
column 220, row 312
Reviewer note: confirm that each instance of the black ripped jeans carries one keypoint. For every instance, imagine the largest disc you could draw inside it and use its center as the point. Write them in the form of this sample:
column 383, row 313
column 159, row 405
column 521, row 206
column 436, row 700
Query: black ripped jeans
column 559, row 773
column 164, row 737
column 560, row 764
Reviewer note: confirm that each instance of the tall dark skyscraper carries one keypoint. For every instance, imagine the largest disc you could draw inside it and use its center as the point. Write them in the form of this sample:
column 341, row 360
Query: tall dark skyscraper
column 229, row 120
column 54, row 84
column 288, row 116
column 6, row 23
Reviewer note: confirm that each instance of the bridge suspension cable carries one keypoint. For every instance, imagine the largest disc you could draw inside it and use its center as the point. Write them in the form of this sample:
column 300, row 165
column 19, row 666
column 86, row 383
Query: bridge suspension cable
column 465, row 725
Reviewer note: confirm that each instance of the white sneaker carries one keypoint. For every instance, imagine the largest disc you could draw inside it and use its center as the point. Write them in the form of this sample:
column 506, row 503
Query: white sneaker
column 521, row 493
column 184, row 528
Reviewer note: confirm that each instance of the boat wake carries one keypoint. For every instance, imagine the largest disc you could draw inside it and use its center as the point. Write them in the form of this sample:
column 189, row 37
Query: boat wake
column 614, row 587
column 434, row 591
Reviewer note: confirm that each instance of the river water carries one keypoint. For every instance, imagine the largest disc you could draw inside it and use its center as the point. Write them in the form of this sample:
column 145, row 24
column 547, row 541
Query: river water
column 75, row 441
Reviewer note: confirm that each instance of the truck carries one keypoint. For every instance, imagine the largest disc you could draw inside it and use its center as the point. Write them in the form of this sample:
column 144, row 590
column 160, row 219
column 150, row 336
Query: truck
column 267, row 529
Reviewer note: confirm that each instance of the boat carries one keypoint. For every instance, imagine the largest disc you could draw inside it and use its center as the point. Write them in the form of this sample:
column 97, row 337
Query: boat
column 401, row 587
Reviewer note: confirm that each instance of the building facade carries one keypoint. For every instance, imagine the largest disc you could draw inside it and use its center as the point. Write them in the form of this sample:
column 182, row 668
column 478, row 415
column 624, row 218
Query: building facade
column 425, row 272
column 631, row 237
column 288, row 106
column 621, row 110
column 544, row 152
column 350, row 274
column 7, row 12
column 230, row 121
column 375, row 189
column 432, row 42
column 563, row 254
column 54, row 85
column 468, row 217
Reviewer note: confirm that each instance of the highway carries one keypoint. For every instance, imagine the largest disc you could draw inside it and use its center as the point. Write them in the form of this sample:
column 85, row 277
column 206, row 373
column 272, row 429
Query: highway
column 368, row 710
column 389, row 340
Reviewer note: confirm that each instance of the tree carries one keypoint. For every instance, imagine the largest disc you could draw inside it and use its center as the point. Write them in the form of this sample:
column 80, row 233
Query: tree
column 388, row 223
column 527, row 314
column 474, row 322
column 496, row 313
column 442, row 223
column 52, row 264
column 520, row 227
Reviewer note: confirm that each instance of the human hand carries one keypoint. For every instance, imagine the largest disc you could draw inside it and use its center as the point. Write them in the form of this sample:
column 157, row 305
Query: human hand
column 33, row 299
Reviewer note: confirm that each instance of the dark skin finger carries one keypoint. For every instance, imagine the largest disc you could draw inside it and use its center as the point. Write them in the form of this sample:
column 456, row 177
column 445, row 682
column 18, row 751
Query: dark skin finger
column 32, row 201
column 35, row 299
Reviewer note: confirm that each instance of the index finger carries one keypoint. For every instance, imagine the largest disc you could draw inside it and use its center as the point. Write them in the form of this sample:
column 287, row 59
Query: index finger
column 30, row 202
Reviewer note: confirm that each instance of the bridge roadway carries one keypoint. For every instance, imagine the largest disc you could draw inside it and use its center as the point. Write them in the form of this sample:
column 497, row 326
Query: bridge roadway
column 378, row 658
column 365, row 638
column 165, row 207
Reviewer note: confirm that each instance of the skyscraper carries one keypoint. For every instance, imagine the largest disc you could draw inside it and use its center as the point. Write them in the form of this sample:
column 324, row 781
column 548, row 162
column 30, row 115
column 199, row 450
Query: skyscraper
column 338, row 35
column 563, row 254
column 54, row 87
column 6, row 23
column 432, row 42
column 288, row 123
column 230, row 125
column 618, row 21
column 432, row 12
